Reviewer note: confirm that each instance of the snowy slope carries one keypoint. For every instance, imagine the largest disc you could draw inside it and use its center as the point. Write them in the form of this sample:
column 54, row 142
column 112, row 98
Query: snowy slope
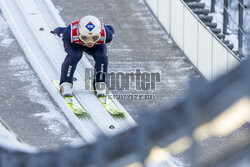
column 26, row 107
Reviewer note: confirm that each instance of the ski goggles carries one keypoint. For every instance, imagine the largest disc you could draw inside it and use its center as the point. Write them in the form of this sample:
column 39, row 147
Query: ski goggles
column 89, row 39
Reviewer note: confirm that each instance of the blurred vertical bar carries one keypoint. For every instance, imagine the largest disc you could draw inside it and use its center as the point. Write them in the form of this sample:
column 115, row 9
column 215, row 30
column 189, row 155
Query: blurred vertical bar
column 213, row 6
column 240, row 33
column 225, row 16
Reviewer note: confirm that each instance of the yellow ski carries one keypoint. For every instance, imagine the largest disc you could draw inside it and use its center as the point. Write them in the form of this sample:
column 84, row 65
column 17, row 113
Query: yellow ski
column 71, row 101
column 107, row 103
column 110, row 106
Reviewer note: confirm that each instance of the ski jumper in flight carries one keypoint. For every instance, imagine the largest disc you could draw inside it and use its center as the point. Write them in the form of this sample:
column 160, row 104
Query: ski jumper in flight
column 87, row 35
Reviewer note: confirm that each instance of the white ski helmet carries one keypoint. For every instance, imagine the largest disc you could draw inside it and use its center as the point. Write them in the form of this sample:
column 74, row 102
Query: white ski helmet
column 89, row 29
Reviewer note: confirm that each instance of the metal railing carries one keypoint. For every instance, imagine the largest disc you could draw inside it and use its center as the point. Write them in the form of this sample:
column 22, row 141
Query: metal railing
column 226, row 16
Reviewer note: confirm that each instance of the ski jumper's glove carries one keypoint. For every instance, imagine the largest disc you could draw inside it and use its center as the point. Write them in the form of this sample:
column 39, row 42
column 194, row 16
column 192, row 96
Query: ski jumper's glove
column 58, row 31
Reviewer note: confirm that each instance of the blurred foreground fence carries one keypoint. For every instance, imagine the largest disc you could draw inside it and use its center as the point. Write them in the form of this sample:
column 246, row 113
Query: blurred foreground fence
column 199, row 116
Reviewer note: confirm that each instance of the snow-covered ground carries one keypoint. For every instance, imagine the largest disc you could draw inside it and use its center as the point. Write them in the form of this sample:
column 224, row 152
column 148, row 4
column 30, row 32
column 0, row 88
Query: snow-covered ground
column 9, row 141
column 233, row 22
